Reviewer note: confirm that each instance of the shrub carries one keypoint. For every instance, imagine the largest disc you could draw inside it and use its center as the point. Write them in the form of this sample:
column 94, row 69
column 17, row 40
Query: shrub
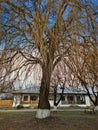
column 20, row 107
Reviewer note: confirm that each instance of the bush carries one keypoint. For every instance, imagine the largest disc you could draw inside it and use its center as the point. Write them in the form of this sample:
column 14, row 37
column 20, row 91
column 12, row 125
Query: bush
column 20, row 107
column 90, row 107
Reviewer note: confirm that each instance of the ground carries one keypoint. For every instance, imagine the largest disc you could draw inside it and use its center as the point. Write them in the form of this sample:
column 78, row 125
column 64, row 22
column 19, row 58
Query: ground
column 68, row 120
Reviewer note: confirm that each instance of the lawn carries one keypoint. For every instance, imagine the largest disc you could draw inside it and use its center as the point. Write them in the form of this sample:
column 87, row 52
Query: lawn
column 57, row 121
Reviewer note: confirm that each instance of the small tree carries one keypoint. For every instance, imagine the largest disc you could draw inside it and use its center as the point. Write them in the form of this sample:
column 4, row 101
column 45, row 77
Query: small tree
column 83, row 65
column 58, row 81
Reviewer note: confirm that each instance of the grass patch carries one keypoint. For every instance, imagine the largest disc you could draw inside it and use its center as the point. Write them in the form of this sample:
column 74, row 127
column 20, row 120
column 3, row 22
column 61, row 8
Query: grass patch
column 68, row 120
column 7, row 108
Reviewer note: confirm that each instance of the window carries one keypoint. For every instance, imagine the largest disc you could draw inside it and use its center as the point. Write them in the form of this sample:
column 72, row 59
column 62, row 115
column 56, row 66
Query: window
column 78, row 99
column 25, row 98
column 34, row 97
column 70, row 99
column 51, row 97
column 81, row 99
column 63, row 98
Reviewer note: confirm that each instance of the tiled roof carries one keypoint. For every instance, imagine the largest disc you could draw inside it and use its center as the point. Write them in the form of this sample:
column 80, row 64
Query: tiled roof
column 28, row 90
column 70, row 90
column 36, row 89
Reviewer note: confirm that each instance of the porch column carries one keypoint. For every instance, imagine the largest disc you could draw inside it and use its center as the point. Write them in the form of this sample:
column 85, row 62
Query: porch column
column 29, row 99
column 87, row 101
column 66, row 100
column 75, row 99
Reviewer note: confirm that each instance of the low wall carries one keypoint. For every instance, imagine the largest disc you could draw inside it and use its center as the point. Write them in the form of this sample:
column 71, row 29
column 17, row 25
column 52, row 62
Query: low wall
column 6, row 102
column 29, row 102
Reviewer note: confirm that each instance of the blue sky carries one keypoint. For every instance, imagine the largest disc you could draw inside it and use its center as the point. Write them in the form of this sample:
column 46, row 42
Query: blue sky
column 95, row 2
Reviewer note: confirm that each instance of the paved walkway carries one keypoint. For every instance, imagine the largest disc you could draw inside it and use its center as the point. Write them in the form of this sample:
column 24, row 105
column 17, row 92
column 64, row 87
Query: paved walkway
column 34, row 110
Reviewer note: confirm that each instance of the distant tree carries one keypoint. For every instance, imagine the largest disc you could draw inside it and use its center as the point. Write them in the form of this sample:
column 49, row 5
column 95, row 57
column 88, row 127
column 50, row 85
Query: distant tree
column 83, row 64
column 83, row 59
column 91, row 83
column 48, row 28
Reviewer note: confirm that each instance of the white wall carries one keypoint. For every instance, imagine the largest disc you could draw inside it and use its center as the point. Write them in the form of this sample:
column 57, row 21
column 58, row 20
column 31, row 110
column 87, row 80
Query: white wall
column 87, row 100
column 87, row 103
column 16, row 101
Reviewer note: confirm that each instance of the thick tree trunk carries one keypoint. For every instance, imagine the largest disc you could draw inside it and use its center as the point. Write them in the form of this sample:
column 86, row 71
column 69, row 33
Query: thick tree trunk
column 44, row 105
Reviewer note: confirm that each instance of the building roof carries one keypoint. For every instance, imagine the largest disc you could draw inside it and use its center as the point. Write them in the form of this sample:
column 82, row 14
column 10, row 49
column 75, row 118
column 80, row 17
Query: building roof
column 36, row 89
column 28, row 90
column 70, row 90
column 6, row 96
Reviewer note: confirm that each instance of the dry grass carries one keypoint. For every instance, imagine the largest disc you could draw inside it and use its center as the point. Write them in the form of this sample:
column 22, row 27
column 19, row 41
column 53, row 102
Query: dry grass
column 57, row 121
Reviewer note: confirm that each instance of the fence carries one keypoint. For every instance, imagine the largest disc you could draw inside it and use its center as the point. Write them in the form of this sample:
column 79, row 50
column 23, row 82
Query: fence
column 6, row 102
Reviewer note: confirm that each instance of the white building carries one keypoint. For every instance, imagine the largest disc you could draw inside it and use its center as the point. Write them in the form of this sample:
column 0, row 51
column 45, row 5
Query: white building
column 71, row 96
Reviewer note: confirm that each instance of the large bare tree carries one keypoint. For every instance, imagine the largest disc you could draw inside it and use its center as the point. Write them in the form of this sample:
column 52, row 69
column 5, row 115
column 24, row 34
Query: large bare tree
column 39, row 32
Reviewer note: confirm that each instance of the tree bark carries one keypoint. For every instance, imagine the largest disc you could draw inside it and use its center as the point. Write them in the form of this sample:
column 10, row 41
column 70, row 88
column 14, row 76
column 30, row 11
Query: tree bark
column 95, row 103
column 43, row 96
column 55, row 96
column 44, row 105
